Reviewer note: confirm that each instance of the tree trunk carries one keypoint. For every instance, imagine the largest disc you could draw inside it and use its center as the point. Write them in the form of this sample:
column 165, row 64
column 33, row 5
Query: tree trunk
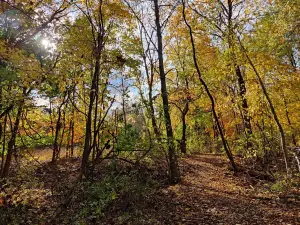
column 55, row 153
column 12, row 141
column 68, row 140
column 124, row 104
column 287, row 114
column 3, row 143
column 62, row 134
column 280, row 128
column 183, row 118
column 57, row 130
column 72, row 138
column 241, row 81
column 183, row 138
column 173, row 167
column 150, row 77
column 88, row 129
column 227, row 150
column 69, row 151
column 72, row 124
column 98, row 47
column 151, row 105
column 242, row 92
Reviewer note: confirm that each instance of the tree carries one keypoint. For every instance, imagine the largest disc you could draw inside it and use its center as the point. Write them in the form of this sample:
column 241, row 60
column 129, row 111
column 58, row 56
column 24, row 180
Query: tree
column 174, row 169
column 225, row 145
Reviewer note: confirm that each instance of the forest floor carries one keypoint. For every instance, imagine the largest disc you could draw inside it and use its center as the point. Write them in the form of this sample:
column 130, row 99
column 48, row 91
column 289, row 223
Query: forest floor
column 208, row 194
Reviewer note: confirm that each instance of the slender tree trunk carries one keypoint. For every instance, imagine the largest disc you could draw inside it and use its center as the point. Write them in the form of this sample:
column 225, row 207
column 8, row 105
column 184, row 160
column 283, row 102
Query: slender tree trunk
column 123, row 105
column 72, row 124
column 238, row 72
column 280, row 128
column 174, row 168
column 55, row 143
column 3, row 142
column 62, row 134
column 68, row 140
column 287, row 114
column 115, row 141
column 98, row 47
column 55, row 152
column 12, row 141
column 96, row 132
column 88, row 129
column 51, row 117
column 183, row 138
column 72, row 138
column 151, row 105
column 150, row 77
column 227, row 150
column 183, row 118
column 245, row 110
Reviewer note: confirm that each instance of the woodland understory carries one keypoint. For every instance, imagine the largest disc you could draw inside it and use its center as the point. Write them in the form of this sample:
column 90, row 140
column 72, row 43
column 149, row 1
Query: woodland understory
column 149, row 112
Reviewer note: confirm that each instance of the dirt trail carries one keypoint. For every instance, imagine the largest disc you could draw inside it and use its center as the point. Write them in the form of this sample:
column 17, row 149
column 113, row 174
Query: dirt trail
column 209, row 194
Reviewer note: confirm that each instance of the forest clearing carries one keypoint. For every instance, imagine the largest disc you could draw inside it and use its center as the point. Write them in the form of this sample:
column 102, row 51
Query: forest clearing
column 149, row 112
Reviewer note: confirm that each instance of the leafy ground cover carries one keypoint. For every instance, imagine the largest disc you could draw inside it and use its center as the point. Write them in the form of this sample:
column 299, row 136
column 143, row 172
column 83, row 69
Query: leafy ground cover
column 208, row 194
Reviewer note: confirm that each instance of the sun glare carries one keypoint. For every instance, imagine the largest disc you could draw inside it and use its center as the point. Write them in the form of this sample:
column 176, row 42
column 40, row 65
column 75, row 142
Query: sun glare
column 45, row 42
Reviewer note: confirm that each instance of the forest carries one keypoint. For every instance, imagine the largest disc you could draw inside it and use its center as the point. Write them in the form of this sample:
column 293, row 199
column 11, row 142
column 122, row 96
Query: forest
column 149, row 112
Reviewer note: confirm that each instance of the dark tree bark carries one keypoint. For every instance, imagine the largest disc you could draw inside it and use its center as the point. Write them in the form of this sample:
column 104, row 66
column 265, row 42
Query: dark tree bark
column 88, row 129
column 62, row 133
column 55, row 143
column 240, row 78
column 173, row 167
column 72, row 124
column 287, row 114
column 72, row 138
column 275, row 116
column 11, row 143
column 98, row 36
column 55, row 153
column 3, row 143
column 225, row 145
column 150, row 77
column 183, row 138
column 68, row 141
column 183, row 113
